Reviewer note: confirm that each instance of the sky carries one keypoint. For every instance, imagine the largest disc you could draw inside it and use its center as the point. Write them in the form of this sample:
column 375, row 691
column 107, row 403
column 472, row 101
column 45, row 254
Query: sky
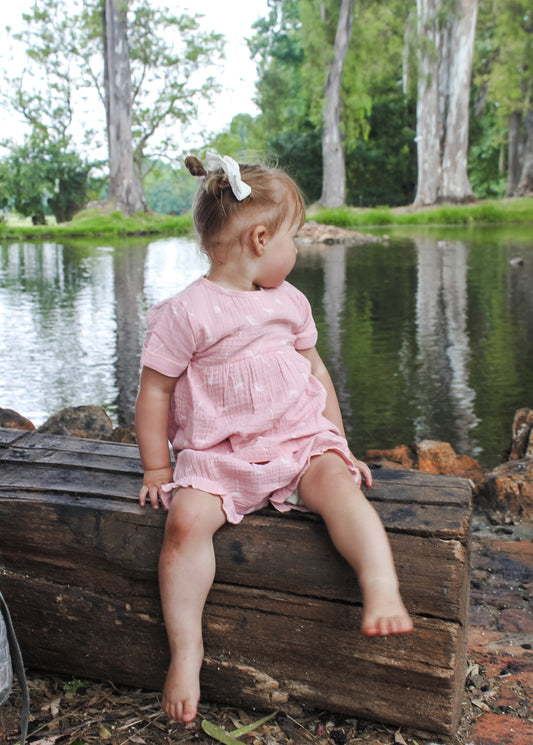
column 232, row 18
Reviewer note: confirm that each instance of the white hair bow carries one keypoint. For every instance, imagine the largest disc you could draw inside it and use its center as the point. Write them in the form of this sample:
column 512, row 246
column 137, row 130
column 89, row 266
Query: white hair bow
column 232, row 171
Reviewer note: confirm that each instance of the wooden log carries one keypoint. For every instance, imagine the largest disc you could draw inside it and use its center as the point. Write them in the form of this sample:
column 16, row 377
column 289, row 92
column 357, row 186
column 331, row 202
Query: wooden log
column 78, row 562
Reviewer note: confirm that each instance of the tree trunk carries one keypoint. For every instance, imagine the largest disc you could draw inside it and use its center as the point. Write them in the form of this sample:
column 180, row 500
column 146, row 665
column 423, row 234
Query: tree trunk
column 125, row 188
column 525, row 185
column 445, row 64
column 516, row 153
column 334, row 178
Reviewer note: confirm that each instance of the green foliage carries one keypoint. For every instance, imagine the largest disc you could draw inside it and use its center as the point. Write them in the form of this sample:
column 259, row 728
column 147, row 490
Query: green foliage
column 381, row 169
column 169, row 191
column 505, row 54
column 64, row 52
column 242, row 140
column 299, row 152
column 4, row 186
column 277, row 48
column 294, row 47
column 75, row 685
column 502, row 87
column 485, row 154
column 43, row 175
column 166, row 52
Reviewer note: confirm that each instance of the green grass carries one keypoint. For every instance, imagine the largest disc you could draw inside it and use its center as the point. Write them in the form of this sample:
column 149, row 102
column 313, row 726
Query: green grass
column 487, row 212
column 97, row 223
column 100, row 222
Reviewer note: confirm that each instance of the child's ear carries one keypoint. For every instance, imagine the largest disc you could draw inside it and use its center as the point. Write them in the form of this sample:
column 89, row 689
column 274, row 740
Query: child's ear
column 259, row 239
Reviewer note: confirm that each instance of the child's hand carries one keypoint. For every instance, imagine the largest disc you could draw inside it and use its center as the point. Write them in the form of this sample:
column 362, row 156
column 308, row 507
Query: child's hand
column 366, row 473
column 152, row 482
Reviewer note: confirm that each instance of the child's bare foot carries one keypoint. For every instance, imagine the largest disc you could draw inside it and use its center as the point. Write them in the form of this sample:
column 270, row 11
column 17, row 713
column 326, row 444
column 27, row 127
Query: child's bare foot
column 181, row 691
column 384, row 612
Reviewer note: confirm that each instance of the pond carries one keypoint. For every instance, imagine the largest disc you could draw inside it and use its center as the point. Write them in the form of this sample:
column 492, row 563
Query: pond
column 427, row 335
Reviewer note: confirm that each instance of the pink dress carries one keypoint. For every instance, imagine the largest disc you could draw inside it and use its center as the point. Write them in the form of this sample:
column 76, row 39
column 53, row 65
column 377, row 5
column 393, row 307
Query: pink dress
column 246, row 412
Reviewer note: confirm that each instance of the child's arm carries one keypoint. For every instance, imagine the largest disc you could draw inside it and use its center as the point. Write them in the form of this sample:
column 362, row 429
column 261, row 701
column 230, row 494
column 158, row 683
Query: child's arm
column 332, row 410
column 151, row 422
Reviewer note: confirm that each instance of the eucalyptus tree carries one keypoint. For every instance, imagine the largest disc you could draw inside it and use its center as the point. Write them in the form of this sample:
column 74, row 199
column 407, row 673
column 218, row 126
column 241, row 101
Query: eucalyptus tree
column 334, row 170
column 446, row 32
column 288, row 124
column 141, row 61
column 125, row 186
column 295, row 47
column 508, row 81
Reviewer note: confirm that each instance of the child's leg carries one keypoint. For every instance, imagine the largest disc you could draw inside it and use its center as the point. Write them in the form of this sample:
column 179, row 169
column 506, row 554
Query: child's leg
column 328, row 488
column 186, row 573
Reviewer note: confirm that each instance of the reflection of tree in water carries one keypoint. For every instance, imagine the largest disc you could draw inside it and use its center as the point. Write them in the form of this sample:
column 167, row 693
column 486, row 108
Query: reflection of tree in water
column 519, row 289
column 128, row 268
column 444, row 398
column 56, row 327
column 334, row 303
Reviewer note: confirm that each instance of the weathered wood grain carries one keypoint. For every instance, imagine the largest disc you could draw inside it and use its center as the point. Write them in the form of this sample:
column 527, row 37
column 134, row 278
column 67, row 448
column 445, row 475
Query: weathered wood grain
column 78, row 558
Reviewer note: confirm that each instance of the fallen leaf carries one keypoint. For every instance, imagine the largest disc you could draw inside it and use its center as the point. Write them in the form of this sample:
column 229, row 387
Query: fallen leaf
column 250, row 727
column 104, row 733
column 230, row 738
column 218, row 733
column 480, row 704
column 398, row 738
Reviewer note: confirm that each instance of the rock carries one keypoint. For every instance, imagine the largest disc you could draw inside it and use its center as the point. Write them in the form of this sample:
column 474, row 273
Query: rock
column 431, row 456
column 13, row 420
column 509, row 490
column 505, row 494
column 313, row 232
column 401, row 456
column 125, row 434
column 522, row 444
column 440, row 457
column 90, row 422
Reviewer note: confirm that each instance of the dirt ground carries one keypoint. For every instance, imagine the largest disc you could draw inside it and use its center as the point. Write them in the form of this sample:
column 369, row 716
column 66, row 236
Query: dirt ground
column 498, row 690
column 74, row 712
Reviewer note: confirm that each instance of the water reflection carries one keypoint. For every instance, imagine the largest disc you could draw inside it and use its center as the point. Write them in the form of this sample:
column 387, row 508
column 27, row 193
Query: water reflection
column 334, row 302
column 443, row 395
column 72, row 319
column 425, row 336
column 128, row 274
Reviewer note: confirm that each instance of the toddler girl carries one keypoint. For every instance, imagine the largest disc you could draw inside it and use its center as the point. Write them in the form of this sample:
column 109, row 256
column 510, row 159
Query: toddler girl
column 232, row 378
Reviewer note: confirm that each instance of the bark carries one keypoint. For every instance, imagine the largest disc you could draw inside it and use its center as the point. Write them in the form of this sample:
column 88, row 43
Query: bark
column 334, row 176
column 82, row 583
column 516, row 153
column 445, row 64
column 125, row 187
column 525, row 185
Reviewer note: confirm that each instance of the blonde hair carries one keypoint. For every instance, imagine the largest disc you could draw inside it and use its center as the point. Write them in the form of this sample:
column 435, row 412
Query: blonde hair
column 274, row 197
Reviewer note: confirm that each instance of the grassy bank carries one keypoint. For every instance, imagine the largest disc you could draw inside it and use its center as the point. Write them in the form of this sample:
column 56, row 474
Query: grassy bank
column 481, row 213
column 99, row 223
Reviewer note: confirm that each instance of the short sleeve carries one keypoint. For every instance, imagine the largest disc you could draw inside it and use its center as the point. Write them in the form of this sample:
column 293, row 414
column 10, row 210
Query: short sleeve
column 170, row 341
column 306, row 331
